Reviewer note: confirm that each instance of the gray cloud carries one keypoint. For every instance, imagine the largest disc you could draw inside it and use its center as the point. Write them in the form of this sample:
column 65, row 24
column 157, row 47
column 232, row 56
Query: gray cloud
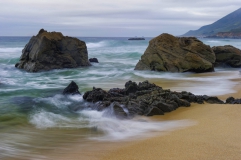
column 110, row 18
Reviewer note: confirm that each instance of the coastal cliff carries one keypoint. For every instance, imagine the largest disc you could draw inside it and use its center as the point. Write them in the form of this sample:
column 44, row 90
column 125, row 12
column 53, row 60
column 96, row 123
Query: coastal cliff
column 226, row 27
column 226, row 35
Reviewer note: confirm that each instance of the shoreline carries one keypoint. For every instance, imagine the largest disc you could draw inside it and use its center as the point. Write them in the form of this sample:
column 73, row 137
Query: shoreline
column 214, row 136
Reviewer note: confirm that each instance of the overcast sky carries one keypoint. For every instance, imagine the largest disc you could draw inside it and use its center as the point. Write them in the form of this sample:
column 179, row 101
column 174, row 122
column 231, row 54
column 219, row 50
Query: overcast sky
column 147, row 18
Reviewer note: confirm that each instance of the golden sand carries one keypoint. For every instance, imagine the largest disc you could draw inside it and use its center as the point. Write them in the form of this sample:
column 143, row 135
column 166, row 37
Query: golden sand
column 215, row 136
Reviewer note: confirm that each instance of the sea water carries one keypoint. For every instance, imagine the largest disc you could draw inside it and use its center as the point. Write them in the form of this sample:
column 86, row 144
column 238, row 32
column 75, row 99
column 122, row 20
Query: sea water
column 36, row 118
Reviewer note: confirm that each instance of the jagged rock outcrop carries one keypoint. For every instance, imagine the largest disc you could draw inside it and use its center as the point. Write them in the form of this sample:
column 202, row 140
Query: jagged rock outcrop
column 227, row 56
column 72, row 89
column 52, row 50
column 142, row 99
column 177, row 54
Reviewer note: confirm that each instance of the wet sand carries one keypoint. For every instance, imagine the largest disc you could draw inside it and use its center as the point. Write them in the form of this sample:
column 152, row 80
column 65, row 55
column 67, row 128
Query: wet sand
column 216, row 135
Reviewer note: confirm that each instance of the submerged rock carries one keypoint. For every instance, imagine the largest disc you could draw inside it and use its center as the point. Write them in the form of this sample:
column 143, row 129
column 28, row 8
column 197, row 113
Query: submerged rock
column 142, row 99
column 227, row 56
column 173, row 54
column 52, row 50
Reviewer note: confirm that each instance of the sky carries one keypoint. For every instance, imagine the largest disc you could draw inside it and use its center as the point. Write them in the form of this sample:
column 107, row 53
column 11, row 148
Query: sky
column 110, row 18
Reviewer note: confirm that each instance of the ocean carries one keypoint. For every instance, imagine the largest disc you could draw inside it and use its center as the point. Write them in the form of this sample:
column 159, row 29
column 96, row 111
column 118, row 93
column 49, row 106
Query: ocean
column 36, row 119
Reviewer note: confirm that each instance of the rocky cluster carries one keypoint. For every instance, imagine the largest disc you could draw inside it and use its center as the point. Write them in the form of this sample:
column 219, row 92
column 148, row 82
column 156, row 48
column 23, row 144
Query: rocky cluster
column 140, row 99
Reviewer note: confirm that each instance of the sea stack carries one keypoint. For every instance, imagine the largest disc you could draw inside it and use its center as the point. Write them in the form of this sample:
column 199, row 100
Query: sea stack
column 52, row 50
column 177, row 54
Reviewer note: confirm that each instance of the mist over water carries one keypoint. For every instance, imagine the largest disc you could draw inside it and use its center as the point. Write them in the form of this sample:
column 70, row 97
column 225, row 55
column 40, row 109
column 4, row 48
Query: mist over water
column 35, row 117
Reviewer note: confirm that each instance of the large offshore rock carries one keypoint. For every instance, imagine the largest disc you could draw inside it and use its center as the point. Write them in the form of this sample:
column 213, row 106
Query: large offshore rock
column 173, row 54
column 227, row 56
column 52, row 50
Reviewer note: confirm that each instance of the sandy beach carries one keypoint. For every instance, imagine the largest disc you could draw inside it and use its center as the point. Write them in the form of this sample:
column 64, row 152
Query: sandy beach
column 215, row 135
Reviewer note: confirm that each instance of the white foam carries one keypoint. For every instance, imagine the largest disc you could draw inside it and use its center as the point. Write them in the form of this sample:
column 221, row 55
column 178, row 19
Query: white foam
column 214, row 41
column 200, row 84
column 114, row 129
column 43, row 119
column 60, row 101
column 97, row 44
column 10, row 50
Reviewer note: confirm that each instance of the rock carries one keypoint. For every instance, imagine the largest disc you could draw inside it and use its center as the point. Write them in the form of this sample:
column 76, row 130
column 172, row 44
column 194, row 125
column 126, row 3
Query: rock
column 130, row 87
column 136, row 38
column 154, row 111
column 118, row 110
column 212, row 100
column 227, row 56
column 72, row 88
column 95, row 60
column 232, row 100
column 52, row 50
column 16, row 65
column 173, row 54
column 97, row 94
column 144, row 99
column 165, row 107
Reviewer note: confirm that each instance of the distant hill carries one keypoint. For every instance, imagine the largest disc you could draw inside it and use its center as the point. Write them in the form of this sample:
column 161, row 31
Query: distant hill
column 229, row 26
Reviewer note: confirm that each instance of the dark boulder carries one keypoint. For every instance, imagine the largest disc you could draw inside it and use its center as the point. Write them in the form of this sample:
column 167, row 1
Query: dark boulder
column 72, row 88
column 118, row 110
column 94, row 60
column 227, row 56
column 212, row 100
column 177, row 54
column 52, row 50
column 165, row 107
column 154, row 111
column 231, row 100
column 97, row 94
column 130, row 87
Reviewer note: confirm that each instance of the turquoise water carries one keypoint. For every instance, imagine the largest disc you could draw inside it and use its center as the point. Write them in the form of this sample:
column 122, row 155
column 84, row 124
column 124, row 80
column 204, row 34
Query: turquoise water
column 36, row 118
